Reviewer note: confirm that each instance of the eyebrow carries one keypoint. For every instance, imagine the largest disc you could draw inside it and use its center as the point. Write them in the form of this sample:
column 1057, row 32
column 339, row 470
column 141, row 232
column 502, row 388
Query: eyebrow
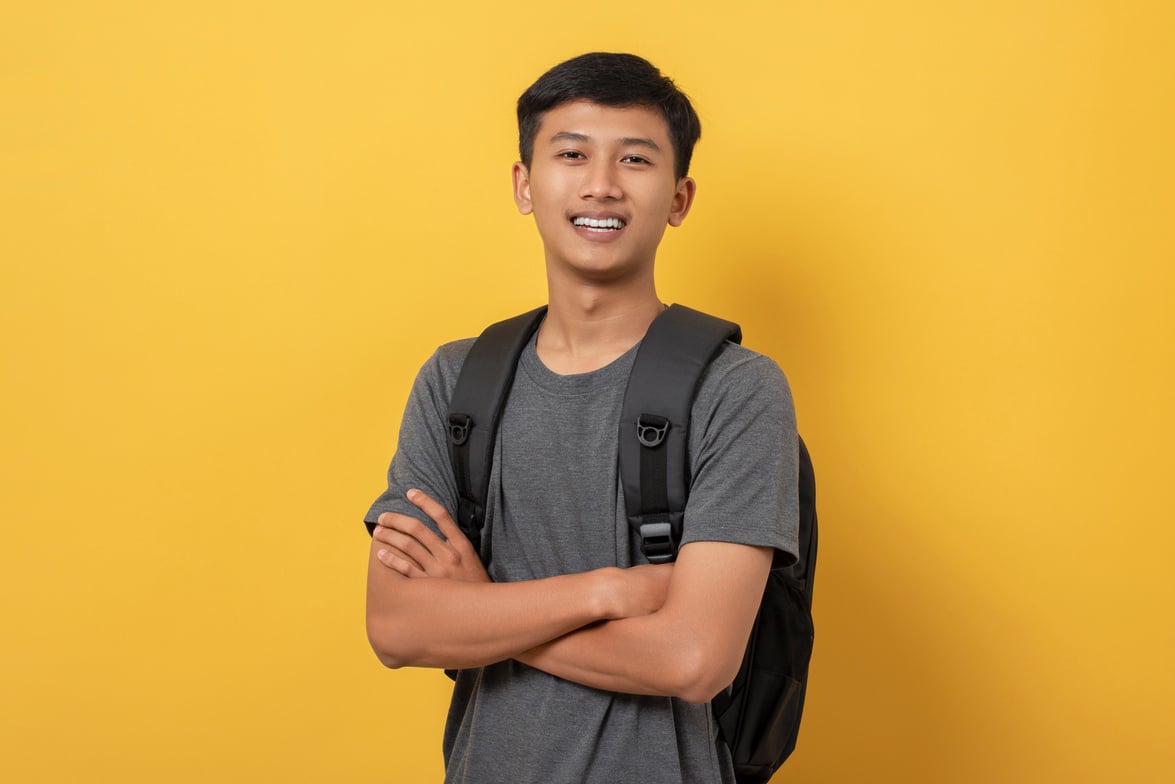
column 627, row 141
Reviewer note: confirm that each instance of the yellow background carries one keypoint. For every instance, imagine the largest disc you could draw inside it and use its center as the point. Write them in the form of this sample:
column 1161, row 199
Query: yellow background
column 232, row 231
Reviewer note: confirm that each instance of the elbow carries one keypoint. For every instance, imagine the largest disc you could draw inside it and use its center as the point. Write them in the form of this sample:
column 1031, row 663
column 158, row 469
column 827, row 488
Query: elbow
column 392, row 630
column 389, row 659
column 701, row 674
column 383, row 643
column 702, row 690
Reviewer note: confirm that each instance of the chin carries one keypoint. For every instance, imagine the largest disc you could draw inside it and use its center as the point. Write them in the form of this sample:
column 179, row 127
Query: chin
column 605, row 270
column 604, row 273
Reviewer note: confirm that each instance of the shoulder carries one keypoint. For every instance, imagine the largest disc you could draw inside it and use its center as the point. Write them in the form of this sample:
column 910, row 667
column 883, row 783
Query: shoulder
column 442, row 368
column 738, row 375
column 449, row 357
column 733, row 357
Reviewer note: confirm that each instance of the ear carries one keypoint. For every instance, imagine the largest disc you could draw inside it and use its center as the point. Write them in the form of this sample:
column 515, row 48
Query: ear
column 522, row 188
column 683, row 199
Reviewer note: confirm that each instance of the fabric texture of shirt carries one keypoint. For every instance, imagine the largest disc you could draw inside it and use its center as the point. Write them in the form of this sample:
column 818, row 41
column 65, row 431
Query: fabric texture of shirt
column 556, row 507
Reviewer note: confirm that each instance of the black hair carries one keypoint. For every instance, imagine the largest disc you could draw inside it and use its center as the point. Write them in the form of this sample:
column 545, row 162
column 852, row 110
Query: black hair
column 610, row 80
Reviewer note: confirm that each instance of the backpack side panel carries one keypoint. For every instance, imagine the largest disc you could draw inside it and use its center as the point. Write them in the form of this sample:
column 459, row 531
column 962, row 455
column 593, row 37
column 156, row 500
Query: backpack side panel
column 760, row 714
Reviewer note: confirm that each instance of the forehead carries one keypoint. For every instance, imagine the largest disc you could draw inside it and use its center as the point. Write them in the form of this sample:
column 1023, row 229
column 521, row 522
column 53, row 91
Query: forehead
column 603, row 123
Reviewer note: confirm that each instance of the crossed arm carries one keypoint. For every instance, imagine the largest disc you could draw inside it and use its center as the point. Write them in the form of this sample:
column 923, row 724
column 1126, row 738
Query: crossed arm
column 673, row 630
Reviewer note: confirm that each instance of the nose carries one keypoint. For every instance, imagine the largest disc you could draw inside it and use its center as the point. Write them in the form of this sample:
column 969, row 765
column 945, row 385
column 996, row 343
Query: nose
column 601, row 181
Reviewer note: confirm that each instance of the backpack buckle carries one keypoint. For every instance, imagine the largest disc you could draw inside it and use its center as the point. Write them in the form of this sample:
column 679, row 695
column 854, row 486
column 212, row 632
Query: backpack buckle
column 651, row 429
column 657, row 542
column 459, row 425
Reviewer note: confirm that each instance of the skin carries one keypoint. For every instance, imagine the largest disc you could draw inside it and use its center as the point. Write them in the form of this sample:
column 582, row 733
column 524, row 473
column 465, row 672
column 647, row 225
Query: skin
column 671, row 630
column 439, row 610
column 597, row 161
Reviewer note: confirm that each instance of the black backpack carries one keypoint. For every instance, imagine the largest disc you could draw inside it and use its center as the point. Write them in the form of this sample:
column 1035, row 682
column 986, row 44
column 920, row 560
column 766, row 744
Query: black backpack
column 759, row 714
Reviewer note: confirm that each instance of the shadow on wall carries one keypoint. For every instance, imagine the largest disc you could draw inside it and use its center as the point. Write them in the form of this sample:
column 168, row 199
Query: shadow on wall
column 902, row 684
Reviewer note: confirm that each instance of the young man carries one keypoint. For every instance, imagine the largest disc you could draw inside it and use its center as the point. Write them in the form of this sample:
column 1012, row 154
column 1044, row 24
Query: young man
column 579, row 661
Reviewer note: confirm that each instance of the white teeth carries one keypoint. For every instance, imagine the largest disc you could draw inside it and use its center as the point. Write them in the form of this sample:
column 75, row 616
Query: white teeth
column 600, row 223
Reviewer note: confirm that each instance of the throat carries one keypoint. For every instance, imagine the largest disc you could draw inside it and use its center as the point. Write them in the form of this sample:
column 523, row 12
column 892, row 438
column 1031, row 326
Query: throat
column 580, row 335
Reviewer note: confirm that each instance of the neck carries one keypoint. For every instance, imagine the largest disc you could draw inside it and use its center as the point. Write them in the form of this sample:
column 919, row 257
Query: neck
column 590, row 325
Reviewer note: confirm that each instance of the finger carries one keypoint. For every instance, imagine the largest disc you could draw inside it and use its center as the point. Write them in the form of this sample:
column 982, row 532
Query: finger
column 439, row 515
column 406, row 544
column 398, row 562
column 410, row 526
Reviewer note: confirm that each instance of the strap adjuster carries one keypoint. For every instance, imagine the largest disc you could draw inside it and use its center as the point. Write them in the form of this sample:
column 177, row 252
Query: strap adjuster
column 657, row 542
column 651, row 429
column 459, row 425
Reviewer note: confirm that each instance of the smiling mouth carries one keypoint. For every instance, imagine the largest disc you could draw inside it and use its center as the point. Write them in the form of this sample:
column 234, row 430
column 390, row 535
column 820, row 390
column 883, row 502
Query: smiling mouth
column 598, row 224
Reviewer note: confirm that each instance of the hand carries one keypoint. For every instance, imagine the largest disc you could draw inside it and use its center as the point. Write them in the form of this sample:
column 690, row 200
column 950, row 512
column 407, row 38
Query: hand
column 414, row 550
column 640, row 590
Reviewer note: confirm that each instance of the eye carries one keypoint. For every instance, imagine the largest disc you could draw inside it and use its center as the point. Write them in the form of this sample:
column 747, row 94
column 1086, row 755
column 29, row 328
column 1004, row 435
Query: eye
column 634, row 159
column 571, row 155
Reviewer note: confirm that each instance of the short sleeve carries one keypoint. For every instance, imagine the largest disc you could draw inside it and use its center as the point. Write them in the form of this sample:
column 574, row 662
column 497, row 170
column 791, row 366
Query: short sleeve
column 422, row 451
column 743, row 456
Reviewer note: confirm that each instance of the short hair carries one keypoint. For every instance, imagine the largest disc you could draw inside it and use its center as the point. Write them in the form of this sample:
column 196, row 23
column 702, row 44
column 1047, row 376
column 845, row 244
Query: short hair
column 610, row 79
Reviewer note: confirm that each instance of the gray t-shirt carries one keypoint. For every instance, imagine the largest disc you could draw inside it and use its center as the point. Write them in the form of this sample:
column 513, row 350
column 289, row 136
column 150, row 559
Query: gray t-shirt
column 556, row 507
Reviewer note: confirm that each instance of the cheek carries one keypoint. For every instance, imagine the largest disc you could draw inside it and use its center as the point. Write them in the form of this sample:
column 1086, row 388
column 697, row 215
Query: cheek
column 548, row 220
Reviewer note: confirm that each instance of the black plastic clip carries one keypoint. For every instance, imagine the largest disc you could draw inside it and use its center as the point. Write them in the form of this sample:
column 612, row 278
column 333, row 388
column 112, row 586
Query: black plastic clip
column 657, row 542
column 651, row 429
column 459, row 425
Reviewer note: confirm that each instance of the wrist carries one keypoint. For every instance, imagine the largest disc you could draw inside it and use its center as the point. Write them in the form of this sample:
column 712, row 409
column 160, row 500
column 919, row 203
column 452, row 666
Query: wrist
column 606, row 593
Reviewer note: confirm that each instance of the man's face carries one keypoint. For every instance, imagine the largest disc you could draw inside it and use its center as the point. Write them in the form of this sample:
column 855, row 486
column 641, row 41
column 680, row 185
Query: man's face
column 602, row 188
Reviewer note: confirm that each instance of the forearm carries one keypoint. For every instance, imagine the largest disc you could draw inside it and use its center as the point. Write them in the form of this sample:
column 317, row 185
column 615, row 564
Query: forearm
column 691, row 648
column 650, row 655
column 431, row 622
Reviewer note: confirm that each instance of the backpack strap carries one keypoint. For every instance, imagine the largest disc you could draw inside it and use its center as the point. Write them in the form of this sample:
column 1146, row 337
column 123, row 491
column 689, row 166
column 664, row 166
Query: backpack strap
column 654, row 423
column 476, row 409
